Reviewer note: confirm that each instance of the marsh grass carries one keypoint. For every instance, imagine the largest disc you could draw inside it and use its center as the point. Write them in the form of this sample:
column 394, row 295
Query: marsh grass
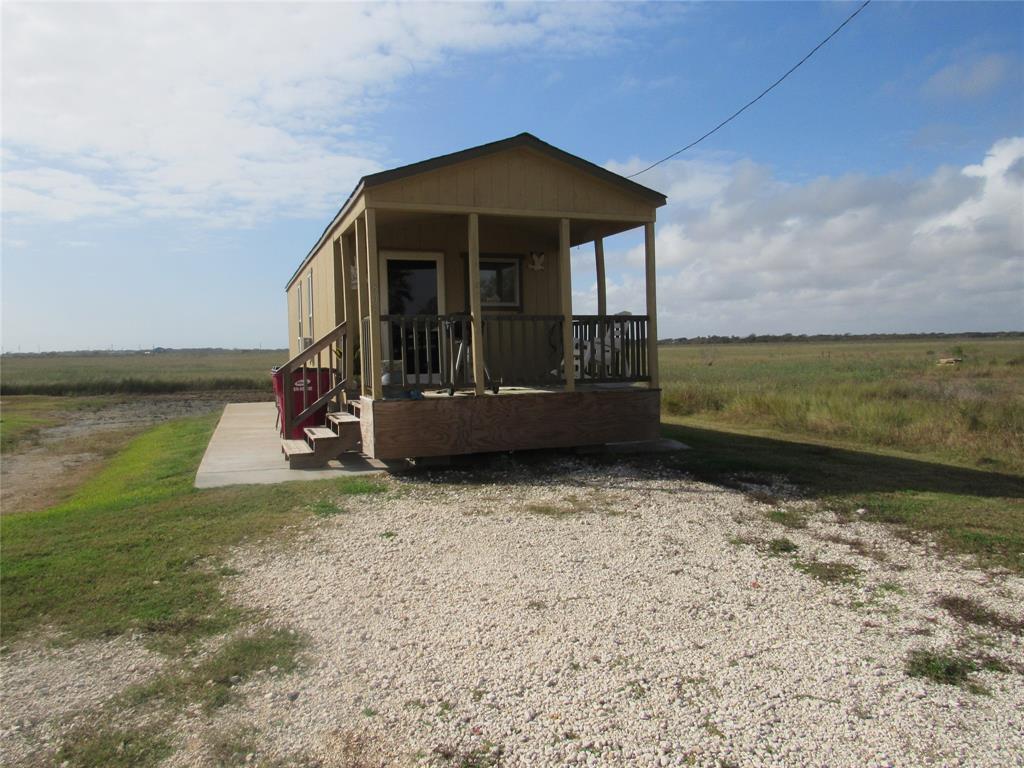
column 886, row 394
column 137, row 373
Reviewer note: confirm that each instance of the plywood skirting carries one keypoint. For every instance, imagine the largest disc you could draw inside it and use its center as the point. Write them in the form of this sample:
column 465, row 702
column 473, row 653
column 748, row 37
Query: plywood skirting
column 448, row 426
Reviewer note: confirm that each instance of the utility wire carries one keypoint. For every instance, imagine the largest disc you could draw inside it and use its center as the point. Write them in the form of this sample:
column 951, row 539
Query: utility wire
column 760, row 96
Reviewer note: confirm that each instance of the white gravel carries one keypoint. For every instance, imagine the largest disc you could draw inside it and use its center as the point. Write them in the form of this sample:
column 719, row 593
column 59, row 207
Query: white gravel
column 641, row 629
column 45, row 688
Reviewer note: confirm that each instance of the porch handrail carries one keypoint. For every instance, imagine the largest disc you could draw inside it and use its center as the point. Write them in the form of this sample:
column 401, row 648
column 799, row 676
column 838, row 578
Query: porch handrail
column 611, row 348
column 334, row 343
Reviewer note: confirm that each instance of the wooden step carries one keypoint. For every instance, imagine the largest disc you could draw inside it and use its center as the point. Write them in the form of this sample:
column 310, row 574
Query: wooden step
column 318, row 436
column 346, row 429
column 295, row 448
column 341, row 417
column 300, row 455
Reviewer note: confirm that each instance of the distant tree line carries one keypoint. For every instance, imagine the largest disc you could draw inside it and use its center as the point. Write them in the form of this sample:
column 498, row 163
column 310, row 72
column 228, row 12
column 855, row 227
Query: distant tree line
column 771, row 338
column 132, row 352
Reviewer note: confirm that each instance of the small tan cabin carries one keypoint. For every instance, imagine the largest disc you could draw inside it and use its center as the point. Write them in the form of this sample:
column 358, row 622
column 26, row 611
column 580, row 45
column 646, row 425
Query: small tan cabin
column 434, row 315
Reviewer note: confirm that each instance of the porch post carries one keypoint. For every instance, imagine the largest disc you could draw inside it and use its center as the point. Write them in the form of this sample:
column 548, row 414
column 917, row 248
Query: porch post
column 373, row 302
column 364, row 344
column 565, row 284
column 602, row 295
column 652, row 305
column 344, row 246
column 476, row 317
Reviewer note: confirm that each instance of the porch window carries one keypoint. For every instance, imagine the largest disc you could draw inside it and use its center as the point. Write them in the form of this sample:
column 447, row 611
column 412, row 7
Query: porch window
column 499, row 282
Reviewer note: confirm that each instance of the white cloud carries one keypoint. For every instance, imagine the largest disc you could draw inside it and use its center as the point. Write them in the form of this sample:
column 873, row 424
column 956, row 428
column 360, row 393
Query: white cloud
column 229, row 112
column 743, row 252
column 970, row 78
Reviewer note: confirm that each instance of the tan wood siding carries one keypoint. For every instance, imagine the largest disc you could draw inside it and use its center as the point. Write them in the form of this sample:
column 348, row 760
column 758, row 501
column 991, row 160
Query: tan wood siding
column 517, row 179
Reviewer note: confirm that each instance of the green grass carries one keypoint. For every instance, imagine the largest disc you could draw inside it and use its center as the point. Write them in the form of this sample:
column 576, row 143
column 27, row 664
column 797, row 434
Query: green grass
column 884, row 395
column 89, row 747
column 942, row 667
column 829, row 572
column 211, row 682
column 968, row 511
column 160, row 372
column 971, row 611
column 782, row 546
column 21, row 418
column 138, row 548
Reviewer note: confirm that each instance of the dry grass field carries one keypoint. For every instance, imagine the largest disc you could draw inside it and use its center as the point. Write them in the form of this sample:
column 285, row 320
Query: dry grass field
column 157, row 372
column 859, row 491
column 879, row 396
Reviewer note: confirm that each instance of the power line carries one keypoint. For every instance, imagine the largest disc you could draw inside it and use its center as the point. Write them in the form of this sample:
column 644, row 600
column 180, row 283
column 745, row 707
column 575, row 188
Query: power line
column 760, row 96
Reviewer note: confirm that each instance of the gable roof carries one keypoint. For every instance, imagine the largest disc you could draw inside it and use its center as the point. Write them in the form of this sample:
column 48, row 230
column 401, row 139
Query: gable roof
column 520, row 140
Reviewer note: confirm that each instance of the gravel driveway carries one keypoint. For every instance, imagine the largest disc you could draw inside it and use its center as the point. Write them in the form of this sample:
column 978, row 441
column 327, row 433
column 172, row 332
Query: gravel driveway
column 617, row 616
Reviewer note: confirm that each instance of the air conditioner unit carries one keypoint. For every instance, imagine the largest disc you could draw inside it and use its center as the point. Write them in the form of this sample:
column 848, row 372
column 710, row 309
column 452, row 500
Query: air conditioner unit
column 305, row 342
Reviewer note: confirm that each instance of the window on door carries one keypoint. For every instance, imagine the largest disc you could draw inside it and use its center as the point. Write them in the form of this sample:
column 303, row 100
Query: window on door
column 412, row 287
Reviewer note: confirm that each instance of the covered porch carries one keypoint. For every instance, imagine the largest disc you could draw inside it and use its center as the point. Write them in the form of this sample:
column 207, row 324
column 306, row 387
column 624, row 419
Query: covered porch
column 450, row 284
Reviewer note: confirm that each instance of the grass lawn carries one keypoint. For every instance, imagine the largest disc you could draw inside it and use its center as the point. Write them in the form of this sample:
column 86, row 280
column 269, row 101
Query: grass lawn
column 138, row 548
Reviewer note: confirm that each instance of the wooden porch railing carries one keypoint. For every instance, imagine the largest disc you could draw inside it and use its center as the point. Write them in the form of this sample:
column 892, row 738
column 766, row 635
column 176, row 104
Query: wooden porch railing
column 425, row 351
column 420, row 352
column 524, row 350
column 610, row 348
column 314, row 394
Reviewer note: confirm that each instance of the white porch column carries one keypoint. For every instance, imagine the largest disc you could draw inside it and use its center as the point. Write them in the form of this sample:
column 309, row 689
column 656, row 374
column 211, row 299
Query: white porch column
column 652, row 305
column 476, row 316
column 565, row 283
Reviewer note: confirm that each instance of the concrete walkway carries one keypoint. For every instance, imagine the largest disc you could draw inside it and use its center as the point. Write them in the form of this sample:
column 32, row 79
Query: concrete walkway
column 246, row 450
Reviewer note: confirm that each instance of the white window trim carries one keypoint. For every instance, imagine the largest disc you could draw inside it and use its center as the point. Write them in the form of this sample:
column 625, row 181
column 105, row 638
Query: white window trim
column 309, row 302
column 435, row 256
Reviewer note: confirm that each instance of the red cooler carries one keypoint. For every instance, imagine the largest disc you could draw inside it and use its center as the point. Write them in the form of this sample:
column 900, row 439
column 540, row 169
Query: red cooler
column 307, row 385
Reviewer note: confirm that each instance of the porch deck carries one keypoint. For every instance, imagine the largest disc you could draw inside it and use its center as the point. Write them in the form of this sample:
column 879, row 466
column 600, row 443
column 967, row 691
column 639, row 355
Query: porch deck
column 245, row 449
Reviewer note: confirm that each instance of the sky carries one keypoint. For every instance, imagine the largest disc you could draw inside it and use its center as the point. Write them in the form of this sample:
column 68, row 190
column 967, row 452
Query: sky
column 165, row 167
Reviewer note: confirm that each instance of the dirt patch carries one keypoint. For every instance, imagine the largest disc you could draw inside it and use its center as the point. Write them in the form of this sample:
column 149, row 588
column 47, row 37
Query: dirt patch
column 46, row 470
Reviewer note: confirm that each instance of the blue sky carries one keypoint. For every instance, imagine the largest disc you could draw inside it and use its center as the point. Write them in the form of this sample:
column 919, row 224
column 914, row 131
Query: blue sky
column 165, row 167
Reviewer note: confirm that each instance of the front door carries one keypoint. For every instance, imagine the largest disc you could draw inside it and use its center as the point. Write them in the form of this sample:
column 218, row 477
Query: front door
column 412, row 295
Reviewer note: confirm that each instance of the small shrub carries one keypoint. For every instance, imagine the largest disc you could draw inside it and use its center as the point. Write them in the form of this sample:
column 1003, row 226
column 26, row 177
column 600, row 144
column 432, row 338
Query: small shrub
column 944, row 668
